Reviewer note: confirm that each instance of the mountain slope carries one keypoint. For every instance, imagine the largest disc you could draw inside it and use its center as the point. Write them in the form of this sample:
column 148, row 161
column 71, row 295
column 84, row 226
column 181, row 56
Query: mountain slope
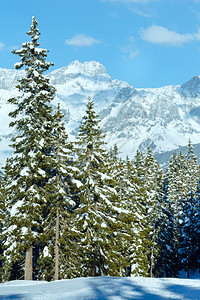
column 161, row 118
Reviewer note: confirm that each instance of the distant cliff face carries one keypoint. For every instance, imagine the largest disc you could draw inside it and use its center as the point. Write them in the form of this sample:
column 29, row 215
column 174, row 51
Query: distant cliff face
column 161, row 118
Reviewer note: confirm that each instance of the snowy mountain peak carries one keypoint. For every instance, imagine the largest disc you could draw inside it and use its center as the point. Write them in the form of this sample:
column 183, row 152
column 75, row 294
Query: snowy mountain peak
column 162, row 118
column 91, row 68
column 79, row 71
column 191, row 88
column 74, row 69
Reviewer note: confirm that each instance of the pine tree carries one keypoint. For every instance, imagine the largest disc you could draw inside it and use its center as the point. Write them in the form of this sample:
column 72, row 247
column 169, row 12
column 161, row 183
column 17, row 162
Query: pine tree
column 173, row 215
column 122, row 212
column 193, row 172
column 168, row 261
column 189, row 240
column 134, row 220
column 138, row 249
column 114, row 153
column 28, row 170
column 94, row 214
column 190, row 221
column 2, row 220
column 61, row 190
column 148, row 178
column 153, row 186
column 119, row 236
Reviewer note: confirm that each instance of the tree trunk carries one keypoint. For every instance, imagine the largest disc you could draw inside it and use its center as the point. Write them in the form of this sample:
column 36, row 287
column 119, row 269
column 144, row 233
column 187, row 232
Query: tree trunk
column 28, row 275
column 151, row 263
column 56, row 275
column 56, row 251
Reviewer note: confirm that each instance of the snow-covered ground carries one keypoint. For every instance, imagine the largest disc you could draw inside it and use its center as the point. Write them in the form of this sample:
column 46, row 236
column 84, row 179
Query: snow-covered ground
column 108, row 288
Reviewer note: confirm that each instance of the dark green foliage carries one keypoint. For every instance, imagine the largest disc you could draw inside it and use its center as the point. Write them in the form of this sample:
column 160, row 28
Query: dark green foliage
column 95, row 213
column 179, row 233
column 2, row 220
column 28, row 170
column 62, row 192
column 81, row 211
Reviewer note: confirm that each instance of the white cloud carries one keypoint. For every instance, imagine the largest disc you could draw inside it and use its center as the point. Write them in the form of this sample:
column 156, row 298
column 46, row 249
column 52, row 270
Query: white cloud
column 1, row 46
column 141, row 13
column 81, row 40
column 162, row 35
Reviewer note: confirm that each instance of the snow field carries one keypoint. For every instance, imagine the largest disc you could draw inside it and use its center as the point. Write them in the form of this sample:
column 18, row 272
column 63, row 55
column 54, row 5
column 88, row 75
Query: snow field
column 103, row 288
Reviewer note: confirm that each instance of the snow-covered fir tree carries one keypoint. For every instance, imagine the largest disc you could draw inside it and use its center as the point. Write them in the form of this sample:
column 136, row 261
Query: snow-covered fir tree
column 180, row 214
column 139, row 254
column 175, row 191
column 28, row 170
column 2, row 219
column 95, row 220
column 192, row 167
column 168, row 262
column 62, row 189
column 153, row 178
column 122, row 213
column 133, row 219
column 189, row 233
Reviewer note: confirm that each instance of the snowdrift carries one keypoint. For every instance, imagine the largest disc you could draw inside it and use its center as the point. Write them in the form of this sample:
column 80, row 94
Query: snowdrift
column 108, row 288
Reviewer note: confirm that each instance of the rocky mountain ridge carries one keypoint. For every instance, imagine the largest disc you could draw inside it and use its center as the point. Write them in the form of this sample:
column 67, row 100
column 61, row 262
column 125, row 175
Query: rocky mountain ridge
column 161, row 118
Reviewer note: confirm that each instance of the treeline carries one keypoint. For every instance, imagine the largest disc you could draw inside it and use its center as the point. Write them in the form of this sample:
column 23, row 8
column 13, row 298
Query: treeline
column 75, row 209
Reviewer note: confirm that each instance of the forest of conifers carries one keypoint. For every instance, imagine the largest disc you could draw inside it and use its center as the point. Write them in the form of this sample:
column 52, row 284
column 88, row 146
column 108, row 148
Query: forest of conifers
column 71, row 209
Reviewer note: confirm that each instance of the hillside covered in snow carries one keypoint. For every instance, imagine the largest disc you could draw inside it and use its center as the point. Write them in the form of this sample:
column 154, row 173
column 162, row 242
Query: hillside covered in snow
column 103, row 288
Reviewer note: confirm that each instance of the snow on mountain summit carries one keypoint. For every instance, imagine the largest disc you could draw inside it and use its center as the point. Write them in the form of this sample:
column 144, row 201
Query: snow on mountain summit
column 192, row 87
column 77, row 69
column 161, row 118
column 91, row 68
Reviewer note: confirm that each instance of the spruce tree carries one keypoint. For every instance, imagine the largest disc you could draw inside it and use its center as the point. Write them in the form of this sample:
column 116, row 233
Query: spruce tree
column 149, row 177
column 189, row 239
column 168, row 261
column 189, row 235
column 62, row 189
column 28, row 170
column 153, row 186
column 139, row 253
column 94, row 213
column 123, row 213
column 2, row 222
column 134, row 220
column 193, row 172
column 176, row 192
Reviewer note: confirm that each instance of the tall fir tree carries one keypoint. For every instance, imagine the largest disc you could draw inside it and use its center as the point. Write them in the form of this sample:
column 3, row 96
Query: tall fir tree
column 181, row 183
column 123, row 213
column 95, row 219
column 152, row 205
column 193, row 171
column 189, row 233
column 168, row 261
column 62, row 189
column 189, row 239
column 2, row 221
column 28, row 170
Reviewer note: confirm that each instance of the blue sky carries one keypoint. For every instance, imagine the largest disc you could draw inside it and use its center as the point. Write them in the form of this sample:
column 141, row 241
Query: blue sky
column 148, row 43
